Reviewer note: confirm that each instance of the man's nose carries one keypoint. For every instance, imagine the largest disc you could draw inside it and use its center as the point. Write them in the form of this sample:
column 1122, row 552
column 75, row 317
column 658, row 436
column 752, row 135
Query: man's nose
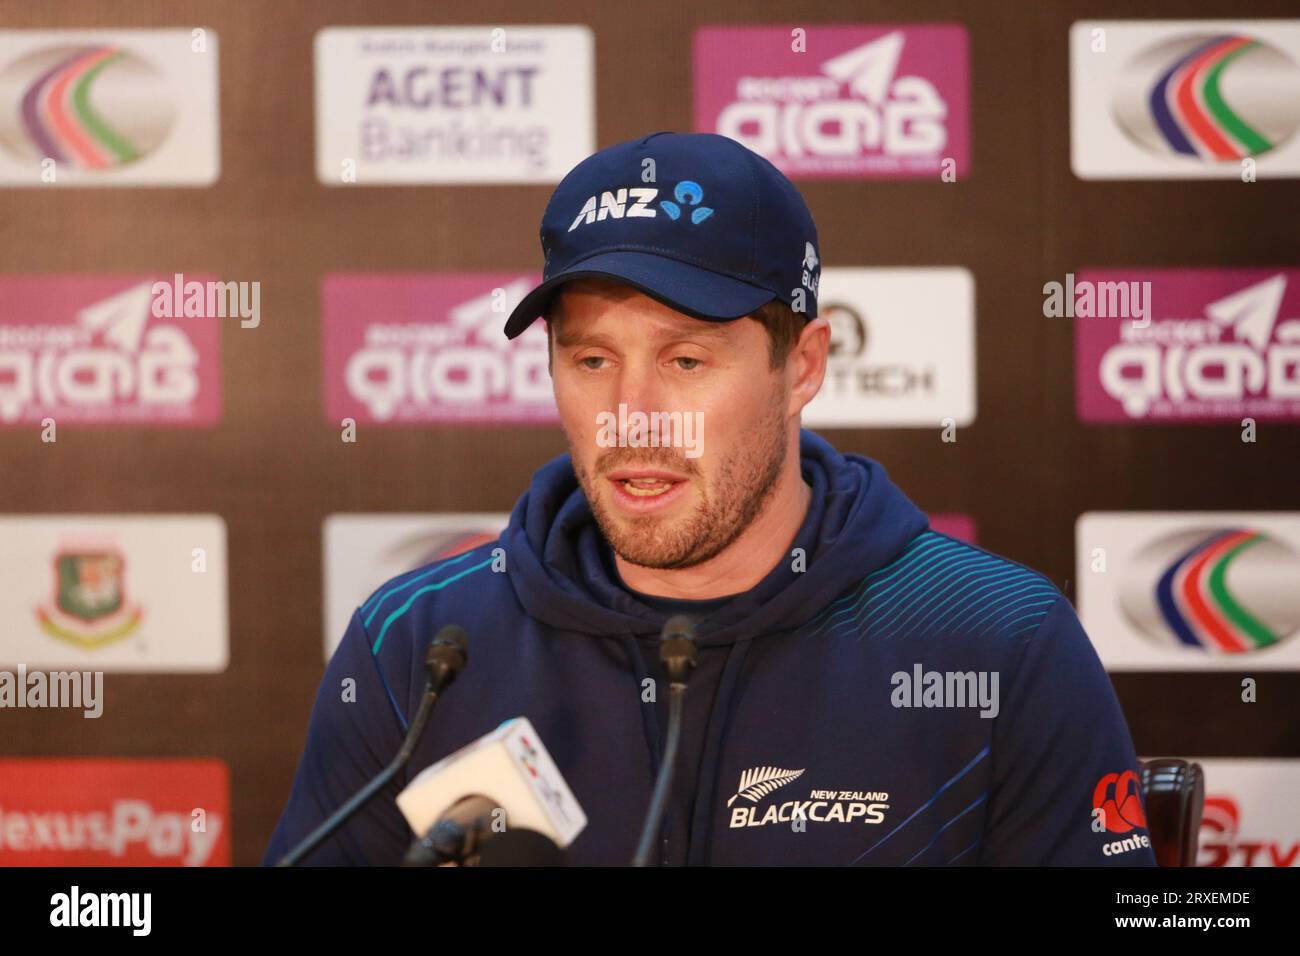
column 640, row 386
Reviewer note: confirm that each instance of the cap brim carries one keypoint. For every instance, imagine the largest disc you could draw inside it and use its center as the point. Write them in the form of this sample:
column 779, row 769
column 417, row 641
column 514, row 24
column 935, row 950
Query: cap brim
column 689, row 289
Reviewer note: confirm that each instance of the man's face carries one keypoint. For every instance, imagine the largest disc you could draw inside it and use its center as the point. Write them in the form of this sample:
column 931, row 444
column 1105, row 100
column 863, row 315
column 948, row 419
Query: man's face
column 657, row 507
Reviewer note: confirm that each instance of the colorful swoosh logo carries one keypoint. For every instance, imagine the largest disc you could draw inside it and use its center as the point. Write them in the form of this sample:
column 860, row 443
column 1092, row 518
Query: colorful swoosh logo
column 1199, row 607
column 92, row 107
column 1188, row 105
column 1212, row 97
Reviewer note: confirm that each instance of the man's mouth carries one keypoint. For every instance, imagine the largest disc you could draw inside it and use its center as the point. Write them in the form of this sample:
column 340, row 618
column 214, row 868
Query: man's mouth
column 645, row 485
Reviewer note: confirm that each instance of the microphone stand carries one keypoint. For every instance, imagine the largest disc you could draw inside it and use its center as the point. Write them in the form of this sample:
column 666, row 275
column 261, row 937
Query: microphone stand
column 677, row 652
column 445, row 659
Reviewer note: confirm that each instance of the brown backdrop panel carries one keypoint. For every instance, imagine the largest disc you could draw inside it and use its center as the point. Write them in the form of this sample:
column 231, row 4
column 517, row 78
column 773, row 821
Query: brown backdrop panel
column 274, row 469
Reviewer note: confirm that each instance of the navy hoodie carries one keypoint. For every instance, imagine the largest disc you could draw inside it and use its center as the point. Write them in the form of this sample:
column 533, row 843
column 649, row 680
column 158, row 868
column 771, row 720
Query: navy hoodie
column 835, row 716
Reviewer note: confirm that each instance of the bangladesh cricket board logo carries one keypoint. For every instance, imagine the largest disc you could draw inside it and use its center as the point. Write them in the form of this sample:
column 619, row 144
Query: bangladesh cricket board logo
column 90, row 606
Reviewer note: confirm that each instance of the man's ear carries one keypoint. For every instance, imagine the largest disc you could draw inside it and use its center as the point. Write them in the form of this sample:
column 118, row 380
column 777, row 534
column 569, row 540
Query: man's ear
column 806, row 366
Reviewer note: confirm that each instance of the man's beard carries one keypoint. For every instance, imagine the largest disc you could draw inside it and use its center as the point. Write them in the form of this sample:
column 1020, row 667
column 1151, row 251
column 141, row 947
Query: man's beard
column 743, row 485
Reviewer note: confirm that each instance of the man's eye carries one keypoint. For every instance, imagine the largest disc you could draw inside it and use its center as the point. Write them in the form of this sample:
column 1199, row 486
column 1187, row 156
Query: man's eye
column 591, row 361
column 691, row 363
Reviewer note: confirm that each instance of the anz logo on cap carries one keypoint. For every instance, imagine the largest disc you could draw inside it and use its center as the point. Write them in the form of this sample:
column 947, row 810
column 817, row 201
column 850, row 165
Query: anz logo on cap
column 614, row 204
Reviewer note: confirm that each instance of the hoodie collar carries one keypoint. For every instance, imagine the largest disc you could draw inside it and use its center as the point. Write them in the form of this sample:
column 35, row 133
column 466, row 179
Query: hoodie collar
column 560, row 563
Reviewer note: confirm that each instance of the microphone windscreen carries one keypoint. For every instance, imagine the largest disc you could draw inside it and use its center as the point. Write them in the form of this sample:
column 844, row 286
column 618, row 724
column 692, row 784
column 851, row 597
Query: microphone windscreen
column 679, row 625
column 453, row 635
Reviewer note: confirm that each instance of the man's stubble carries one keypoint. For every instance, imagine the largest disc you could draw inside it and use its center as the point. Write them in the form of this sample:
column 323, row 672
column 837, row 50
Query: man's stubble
column 742, row 486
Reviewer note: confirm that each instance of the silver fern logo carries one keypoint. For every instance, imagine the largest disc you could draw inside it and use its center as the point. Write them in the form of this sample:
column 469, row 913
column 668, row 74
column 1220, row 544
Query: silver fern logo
column 760, row 781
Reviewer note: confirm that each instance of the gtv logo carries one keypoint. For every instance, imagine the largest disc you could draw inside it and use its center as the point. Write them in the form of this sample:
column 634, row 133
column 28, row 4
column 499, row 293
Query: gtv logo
column 613, row 204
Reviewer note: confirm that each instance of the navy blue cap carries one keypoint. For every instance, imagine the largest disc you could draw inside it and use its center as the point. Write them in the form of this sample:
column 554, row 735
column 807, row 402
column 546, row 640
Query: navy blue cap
column 709, row 228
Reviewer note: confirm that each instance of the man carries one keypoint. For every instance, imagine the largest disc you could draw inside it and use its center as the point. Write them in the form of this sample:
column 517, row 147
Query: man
column 868, row 691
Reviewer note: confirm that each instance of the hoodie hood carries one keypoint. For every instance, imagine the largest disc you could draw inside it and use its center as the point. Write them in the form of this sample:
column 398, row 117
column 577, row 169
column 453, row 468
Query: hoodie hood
column 562, row 568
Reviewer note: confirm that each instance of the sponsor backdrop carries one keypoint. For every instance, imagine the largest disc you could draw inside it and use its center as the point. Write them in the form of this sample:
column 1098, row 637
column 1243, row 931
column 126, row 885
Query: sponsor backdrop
column 229, row 230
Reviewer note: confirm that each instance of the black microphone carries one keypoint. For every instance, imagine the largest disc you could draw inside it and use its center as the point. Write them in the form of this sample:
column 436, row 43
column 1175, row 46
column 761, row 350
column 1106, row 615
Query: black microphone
column 456, row 836
column 677, row 652
column 520, row 846
column 445, row 658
